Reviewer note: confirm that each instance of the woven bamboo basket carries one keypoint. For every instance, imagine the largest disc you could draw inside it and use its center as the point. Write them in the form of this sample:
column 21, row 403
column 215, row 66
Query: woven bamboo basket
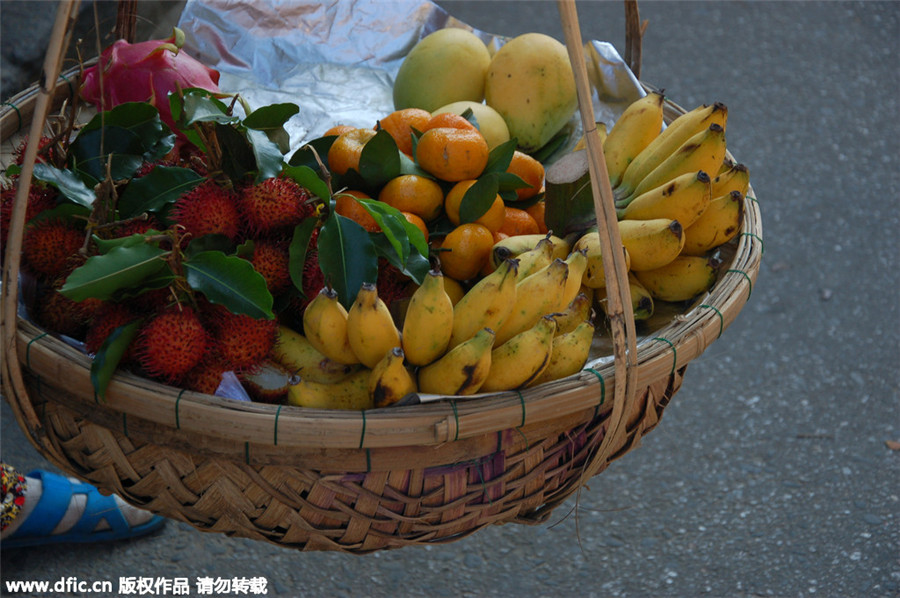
column 356, row 481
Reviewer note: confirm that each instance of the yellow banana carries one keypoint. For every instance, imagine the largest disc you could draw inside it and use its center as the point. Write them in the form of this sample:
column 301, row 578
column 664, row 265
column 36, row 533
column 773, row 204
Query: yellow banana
column 601, row 134
column 639, row 125
column 736, row 178
column 390, row 381
column 297, row 354
column 485, row 305
column 325, row 325
column 651, row 243
column 428, row 323
column 370, row 327
column 522, row 358
column 704, row 151
column 534, row 259
column 683, row 278
column 513, row 247
column 641, row 299
column 569, row 354
column 577, row 262
column 462, row 370
column 594, row 276
column 578, row 311
column 536, row 296
column 350, row 393
column 683, row 199
column 666, row 143
column 720, row 223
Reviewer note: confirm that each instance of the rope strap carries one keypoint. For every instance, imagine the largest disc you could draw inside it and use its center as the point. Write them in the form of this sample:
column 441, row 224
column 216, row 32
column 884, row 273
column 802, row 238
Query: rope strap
column 674, row 352
column 762, row 247
column 362, row 436
column 277, row 413
column 455, row 417
column 721, row 319
column 747, row 276
column 177, row 418
column 18, row 113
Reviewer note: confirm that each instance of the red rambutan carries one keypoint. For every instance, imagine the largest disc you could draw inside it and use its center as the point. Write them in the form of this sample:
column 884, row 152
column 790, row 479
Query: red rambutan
column 207, row 375
column 243, row 341
column 40, row 198
column 171, row 343
column 392, row 284
column 208, row 209
column 57, row 313
column 108, row 317
column 274, row 204
column 50, row 247
column 272, row 259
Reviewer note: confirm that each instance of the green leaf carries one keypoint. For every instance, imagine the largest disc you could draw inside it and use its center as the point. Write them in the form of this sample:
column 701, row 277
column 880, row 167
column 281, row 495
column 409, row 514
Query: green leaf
column 107, row 245
column 298, row 249
column 268, row 156
column 388, row 220
column 210, row 242
column 108, row 357
column 308, row 178
column 415, row 266
column 270, row 117
column 92, row 151
column 123, row 267
column 150, row 193
column 143, row 120
column 478, row 198
column 229, row 281
column 199, row 106
column 544, row 153
column 500, row 157
column 238, row 157
column 408, row 166
column 64, row 211
column 305, row 156
column 379, row 161
column 72, row 187
column 346, row 256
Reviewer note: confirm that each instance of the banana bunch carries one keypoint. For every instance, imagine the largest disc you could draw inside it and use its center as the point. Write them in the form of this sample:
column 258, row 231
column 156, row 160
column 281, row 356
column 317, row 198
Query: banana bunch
column 678, row 197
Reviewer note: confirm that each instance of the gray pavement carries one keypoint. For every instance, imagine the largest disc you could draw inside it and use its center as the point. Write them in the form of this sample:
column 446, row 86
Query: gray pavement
column 770, row 474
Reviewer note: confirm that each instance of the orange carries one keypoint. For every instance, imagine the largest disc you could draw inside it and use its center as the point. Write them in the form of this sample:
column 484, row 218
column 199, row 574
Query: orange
column 418, row 222
column 400, row 123
column 529, row 170
column 346, row 149
column 519, row 222
column 492, row 219
column 416, row 194
column 337, row 130
column 452, row 154
column 449, row 120
column 454, row 289
column 347, row 206
column 465, row 251
column 537, row 212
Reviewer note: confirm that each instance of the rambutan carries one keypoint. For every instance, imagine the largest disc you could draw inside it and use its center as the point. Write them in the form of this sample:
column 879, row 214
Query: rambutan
column 108, row 317
column 57, row 313
column 392, row 284
column 40, row 198
column 208, row 209
column 45, row 151
column 274, row 204
column 272, row 259
column 50, row 247
column 171, row 343
column 243, row 342
column 207, row 375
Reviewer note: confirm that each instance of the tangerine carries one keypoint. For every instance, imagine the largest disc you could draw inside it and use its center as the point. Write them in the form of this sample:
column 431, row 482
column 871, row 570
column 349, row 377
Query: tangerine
column 518, row 222
column 492, row 219
column 449, row 120
column 530, row 170
column 417, row 221
column 400, row 124
column 466, row 249
column 537, row 212
column 416, row 194
column 337, row 130
column 452, row 154
column 345, row 151
column 346, row 205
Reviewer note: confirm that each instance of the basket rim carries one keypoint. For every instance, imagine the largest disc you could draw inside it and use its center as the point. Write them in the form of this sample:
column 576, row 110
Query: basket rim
column 674, row 345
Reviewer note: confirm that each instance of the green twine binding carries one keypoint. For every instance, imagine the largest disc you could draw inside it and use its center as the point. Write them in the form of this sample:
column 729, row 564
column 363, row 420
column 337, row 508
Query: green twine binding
column 602, row 389
column 28, row 348
column 125, row 424
column 177, row 417
column 721, row 319
column 762, row 247
column 368, row 460
column 71, row 89
column 519, row 427
column 18, row 113
column 455, row 417
column 749, row 281
column 247, row 452
column 362, row 436
column 277, row 413
column 674, row 352
column 751, row 198
column 483, row 484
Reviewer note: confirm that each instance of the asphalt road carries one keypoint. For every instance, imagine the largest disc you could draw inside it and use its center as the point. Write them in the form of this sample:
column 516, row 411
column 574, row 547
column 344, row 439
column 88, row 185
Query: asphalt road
column 771, row 473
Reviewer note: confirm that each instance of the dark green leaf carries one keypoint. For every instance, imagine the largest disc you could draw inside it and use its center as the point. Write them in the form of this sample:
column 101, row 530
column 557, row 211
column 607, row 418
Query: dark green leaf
column 500, row 157
column 108, row 357
column 123, row 267
column 346, row 256
column 270, row 117
column 143, row 120
column 408, row 166
column 306, row 154
column 544, row 153
column 478, row 198
column 118, row 148
column 163, row 185
column 160, row 280
column 298, row 250
column 210, row 242
column 107, row 245
column 379, row 161
column 416, row 265
column 229, row 281
column 389, row 221
column 268, row 156
column 307, row 178
column 238, row 158
column 63, row 211
column 72, row 187
column 199, row 106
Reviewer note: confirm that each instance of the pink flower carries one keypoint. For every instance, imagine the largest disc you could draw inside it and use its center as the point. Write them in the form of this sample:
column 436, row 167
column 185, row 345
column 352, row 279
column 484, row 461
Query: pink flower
column 146, row 72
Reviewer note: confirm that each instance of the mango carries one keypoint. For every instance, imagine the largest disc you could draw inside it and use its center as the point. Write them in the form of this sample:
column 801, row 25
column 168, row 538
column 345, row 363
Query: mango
column 488, row 120
column 531, row 84
column 446, row 66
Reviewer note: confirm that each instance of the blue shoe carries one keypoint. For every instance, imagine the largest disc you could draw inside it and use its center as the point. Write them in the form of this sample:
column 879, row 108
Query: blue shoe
column 51, row 508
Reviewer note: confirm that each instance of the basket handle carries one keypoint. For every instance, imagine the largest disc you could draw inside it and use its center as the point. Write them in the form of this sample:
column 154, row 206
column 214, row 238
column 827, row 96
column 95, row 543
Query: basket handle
column 13, row 383
column 620, row 313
